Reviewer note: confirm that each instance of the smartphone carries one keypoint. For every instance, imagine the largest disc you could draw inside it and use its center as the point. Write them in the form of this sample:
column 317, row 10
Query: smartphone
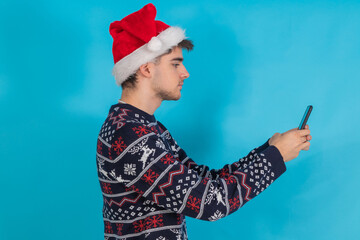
column 305, row 117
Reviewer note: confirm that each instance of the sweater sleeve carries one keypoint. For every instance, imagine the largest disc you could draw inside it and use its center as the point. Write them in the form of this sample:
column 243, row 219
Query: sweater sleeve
column 205, row 171
column 227, row 169
column 161, row 177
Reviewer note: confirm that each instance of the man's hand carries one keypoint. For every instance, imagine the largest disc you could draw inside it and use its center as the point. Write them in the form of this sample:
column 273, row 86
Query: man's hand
column 291, row 142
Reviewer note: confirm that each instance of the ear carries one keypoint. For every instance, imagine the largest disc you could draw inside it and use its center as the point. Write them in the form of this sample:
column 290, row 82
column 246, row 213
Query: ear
column 147, row 69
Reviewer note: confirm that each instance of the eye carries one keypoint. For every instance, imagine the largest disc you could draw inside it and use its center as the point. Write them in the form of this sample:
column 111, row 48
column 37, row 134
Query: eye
column 176, row 65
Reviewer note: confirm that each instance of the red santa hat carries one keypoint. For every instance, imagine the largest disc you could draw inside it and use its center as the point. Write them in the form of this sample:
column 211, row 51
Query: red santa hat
column 138, row 39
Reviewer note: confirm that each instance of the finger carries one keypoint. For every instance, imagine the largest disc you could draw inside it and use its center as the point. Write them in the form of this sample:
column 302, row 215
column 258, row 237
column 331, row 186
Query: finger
column 306, row 126
column 305, row 146
column 304, row 132
column 306, row 138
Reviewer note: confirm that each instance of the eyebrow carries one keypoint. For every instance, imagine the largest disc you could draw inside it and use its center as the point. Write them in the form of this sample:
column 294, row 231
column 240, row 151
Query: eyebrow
column 177, row 59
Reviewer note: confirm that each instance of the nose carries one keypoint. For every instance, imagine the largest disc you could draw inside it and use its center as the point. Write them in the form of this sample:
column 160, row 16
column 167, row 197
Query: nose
column 184, row 74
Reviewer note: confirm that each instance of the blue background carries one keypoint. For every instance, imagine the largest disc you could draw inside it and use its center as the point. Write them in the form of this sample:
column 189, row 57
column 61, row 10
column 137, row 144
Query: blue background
column 255, row 67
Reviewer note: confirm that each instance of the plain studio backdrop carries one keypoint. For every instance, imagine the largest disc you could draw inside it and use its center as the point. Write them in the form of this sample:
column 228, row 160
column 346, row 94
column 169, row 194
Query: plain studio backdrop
column 255, row 67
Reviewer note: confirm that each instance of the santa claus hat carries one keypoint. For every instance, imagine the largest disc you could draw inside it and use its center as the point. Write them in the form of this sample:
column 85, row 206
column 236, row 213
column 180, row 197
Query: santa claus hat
column 138, row 39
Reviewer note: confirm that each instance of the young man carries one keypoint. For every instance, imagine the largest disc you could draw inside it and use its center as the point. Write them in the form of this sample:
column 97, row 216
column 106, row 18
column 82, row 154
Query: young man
column 148, row 182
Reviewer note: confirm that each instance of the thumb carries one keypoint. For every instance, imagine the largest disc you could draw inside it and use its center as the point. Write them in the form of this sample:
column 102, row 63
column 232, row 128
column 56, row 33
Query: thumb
column 291, row 130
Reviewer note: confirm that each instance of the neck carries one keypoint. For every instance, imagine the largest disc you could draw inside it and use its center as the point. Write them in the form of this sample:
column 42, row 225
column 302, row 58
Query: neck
column 141, row 100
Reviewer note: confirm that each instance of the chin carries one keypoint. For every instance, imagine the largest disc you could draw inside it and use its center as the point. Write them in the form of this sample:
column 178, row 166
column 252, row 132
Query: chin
column 169, row 97
column 174, row 98
column 178, row 97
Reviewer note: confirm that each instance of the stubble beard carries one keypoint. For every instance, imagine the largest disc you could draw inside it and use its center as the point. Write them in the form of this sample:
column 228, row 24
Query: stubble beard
column 167, row 95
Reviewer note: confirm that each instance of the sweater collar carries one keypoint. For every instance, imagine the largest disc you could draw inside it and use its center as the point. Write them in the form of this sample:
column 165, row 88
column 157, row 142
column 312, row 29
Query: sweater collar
column 145, row 115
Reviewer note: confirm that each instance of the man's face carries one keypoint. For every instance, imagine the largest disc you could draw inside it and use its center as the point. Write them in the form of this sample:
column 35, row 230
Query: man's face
column 169, row 75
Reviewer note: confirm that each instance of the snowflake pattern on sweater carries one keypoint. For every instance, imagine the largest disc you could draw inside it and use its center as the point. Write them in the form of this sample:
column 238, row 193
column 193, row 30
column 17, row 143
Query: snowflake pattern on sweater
column 149, row 184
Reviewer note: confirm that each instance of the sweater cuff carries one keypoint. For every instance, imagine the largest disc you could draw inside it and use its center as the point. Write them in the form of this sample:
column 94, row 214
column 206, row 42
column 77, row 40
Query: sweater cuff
column 273, row 155
column 263, row 147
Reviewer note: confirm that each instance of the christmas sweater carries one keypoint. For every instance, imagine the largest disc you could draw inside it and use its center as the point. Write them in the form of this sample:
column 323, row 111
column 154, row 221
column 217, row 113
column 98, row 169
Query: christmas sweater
column 149, row 184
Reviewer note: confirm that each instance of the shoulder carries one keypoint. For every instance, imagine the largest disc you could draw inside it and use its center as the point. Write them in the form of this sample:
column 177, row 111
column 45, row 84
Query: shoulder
column 124, row 122
column 128, row 136
column 133, row 130
column 162, row 127
column 165, row 132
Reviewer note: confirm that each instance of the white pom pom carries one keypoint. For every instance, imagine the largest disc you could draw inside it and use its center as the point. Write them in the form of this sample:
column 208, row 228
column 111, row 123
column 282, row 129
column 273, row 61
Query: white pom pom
column 154, row 44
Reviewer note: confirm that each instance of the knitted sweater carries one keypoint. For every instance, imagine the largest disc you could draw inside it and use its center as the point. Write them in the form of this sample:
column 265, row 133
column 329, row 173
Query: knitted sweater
column 149, row 184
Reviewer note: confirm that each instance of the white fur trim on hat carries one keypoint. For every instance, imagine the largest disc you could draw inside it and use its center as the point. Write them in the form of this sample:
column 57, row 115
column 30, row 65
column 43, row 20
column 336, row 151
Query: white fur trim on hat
column 158, row 45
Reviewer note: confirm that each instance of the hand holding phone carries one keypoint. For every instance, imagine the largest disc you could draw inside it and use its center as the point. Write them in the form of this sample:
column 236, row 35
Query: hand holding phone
column 288, row 142
column 305, row 117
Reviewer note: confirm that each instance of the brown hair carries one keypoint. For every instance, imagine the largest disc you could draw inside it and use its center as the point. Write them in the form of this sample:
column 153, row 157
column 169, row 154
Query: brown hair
column 130, row 82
